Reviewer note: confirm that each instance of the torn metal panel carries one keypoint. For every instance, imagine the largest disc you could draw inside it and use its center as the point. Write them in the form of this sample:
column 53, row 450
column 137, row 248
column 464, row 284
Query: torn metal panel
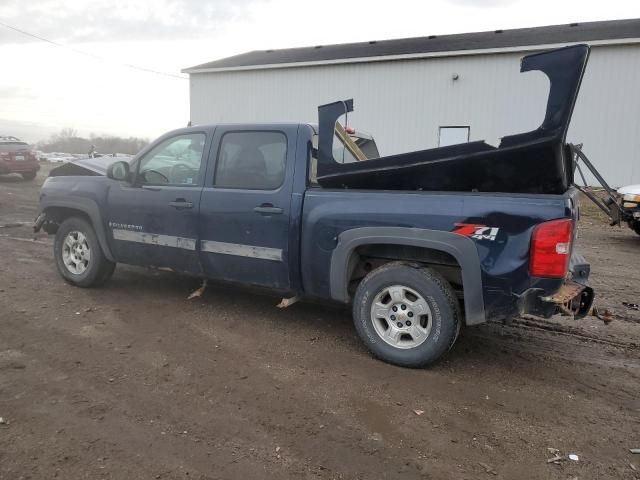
column 531, row 162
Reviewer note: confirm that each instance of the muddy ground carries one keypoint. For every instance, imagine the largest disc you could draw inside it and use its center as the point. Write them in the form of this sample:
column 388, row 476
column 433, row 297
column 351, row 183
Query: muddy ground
column 134, row 381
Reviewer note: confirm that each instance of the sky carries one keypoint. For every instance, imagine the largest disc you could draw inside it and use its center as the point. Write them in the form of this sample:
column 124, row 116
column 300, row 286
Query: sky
column 93, row 67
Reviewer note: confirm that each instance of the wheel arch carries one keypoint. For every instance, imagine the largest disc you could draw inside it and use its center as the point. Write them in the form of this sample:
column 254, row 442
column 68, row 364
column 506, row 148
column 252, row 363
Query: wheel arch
column 462, row 249
column 58, row 210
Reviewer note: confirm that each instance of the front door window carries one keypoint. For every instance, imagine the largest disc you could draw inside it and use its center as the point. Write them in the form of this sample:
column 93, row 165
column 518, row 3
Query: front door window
column 175, row 161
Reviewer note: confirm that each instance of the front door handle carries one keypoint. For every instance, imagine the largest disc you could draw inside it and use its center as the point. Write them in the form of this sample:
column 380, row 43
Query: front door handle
column 180, row 204
column 268, row 209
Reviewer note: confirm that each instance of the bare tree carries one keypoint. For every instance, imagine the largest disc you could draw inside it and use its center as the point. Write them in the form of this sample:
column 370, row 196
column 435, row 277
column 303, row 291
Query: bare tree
column 68, row 141
column 68, row 133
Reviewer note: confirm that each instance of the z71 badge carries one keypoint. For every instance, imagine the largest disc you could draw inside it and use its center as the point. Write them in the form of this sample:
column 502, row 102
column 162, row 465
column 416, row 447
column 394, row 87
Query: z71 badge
column 479, row 232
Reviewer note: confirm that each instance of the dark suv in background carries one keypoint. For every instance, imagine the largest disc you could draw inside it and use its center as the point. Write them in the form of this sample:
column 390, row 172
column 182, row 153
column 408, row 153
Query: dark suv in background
column 17, row 156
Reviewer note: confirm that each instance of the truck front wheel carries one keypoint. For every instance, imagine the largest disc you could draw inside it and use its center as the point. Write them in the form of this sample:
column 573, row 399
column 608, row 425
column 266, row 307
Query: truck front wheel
column 78, row 255
column 406, row 315
column 635, row 226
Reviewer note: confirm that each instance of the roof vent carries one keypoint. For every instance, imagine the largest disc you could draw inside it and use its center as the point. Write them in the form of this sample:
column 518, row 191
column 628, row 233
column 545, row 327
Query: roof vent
column 498, row 31
column 268, row 51
column 372, row 42
column 574, row 24
column 318, row 46
column 431, row 37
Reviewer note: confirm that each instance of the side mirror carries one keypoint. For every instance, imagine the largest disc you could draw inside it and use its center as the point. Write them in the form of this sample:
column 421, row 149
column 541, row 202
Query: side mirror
column 118, row 171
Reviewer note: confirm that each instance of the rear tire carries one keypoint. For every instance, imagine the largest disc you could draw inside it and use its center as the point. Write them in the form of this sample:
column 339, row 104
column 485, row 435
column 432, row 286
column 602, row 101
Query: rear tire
column 406, row 315
column 29, row 175
column 78, row 255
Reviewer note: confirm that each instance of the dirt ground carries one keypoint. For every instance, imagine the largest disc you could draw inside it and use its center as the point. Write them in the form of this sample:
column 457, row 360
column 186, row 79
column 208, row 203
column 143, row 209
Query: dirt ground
column 134, row 381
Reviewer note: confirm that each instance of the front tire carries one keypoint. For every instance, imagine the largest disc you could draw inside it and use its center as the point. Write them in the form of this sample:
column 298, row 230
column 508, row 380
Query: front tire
column 635, row 226
column 79, row 257
column 406, row 315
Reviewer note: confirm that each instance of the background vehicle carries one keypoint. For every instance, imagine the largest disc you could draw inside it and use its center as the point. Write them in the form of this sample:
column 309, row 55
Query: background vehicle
column 630, row 206
column 17, row 156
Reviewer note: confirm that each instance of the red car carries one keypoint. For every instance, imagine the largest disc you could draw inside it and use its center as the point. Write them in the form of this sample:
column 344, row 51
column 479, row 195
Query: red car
column 17, row 156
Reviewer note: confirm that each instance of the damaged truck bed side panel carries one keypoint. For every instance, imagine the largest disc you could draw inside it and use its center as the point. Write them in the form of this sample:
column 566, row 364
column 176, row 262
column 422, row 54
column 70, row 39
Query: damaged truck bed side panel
column 531, row 162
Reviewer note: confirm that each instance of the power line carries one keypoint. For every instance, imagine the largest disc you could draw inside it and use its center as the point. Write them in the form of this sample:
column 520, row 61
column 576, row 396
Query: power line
column 88, row 54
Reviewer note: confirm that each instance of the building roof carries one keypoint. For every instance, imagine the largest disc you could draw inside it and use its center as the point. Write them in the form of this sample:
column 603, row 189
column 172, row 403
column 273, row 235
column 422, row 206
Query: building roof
column 432, row 45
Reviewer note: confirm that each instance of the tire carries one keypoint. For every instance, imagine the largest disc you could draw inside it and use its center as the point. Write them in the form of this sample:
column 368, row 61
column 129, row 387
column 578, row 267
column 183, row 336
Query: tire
column 29, row 175
column 635, row 226
column 78, row 255
column 427, row 297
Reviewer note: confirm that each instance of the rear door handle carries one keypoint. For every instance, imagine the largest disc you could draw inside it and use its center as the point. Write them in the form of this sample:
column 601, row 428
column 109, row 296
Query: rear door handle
column 180, row 204
column 268, row 209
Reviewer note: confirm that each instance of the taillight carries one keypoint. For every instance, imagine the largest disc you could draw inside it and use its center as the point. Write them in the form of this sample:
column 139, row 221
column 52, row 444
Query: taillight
column 551, row 248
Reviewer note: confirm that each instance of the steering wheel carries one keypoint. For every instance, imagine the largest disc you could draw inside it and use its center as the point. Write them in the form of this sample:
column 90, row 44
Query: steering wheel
column 181, row 171
column 154, row 172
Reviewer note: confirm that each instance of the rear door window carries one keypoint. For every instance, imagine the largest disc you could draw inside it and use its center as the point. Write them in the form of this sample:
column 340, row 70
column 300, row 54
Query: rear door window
column 251, row 160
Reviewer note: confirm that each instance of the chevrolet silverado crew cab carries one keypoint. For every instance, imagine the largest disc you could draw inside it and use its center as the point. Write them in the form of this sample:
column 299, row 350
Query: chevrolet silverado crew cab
column 418, row 244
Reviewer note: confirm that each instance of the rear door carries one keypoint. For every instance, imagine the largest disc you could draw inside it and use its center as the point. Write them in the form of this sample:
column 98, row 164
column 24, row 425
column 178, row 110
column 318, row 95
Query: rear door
column 245, row 206
column 155, row 222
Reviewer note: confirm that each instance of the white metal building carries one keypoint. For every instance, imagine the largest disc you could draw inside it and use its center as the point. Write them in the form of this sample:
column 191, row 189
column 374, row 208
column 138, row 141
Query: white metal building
column 418, row 93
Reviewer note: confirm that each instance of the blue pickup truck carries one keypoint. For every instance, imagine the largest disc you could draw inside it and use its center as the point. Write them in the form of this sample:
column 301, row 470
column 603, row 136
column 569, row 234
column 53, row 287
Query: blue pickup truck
column 258, row 205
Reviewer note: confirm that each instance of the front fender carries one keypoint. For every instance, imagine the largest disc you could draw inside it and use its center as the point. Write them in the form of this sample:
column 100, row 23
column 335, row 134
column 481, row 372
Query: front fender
column 84, row 205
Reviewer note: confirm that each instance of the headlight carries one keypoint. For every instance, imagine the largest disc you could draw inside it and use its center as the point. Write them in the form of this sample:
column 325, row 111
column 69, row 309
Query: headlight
column 630, row 197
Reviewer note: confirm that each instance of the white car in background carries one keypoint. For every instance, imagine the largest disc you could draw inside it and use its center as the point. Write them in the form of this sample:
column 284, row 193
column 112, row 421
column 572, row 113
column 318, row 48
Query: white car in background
column 630, row 204
column 58, row 157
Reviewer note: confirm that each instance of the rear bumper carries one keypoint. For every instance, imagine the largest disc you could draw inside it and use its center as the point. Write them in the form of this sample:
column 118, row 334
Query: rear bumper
column 18, row 167
column 574, row 297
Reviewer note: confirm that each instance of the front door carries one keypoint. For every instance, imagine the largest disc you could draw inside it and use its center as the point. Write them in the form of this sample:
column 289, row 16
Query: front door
column 155, row 222
column 245, row 207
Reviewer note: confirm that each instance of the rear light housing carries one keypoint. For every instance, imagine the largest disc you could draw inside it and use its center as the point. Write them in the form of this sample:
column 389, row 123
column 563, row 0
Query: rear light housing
column 551, row 249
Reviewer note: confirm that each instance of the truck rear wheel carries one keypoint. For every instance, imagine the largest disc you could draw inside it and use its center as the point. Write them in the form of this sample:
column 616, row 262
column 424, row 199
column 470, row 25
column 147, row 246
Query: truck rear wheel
column 29, row 175
column 78, row 254
column 406, row 315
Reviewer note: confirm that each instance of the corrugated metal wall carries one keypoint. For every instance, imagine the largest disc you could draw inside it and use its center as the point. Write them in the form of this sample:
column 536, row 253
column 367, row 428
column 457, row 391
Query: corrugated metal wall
column 403, row 103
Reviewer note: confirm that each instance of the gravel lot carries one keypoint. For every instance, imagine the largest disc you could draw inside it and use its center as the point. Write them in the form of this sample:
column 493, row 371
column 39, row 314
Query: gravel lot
column 135, row 381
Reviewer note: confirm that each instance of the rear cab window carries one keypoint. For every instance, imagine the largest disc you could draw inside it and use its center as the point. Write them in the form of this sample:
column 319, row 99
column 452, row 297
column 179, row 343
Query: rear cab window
column 12, row 144
column 359, row 147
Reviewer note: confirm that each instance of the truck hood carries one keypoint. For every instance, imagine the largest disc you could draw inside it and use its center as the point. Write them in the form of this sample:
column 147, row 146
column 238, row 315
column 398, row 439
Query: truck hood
column 86, row 166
